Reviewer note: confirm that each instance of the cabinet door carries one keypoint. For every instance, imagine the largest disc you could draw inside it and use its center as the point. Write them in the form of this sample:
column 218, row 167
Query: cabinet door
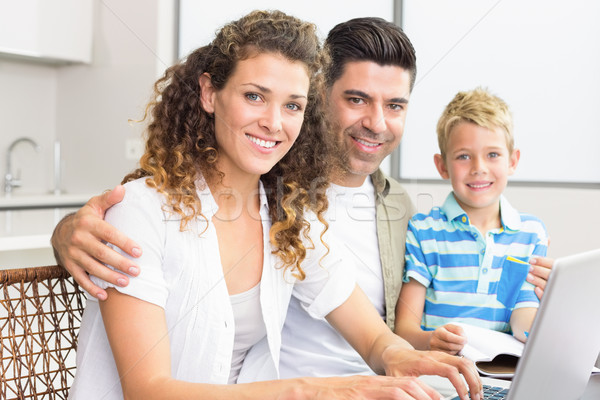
column 52, row 30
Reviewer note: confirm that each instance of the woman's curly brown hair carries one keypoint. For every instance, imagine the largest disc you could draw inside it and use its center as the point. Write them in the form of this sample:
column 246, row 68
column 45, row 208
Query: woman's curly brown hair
column 181, row 145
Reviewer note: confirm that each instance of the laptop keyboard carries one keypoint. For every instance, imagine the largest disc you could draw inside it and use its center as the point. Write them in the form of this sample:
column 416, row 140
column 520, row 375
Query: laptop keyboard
column 491, row 393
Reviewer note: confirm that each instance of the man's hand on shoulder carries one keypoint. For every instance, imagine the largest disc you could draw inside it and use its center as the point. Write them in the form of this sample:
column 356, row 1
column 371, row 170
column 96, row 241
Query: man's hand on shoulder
column 79, row 245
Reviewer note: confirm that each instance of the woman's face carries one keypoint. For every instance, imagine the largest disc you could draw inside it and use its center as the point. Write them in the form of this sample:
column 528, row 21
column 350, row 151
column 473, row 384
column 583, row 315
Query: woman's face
column 258, row 113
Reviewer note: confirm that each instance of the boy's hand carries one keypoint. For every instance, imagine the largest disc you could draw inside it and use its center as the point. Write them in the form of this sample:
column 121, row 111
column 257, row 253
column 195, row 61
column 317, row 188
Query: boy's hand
column 448, row 338
column 78, row 242
column 539, row 273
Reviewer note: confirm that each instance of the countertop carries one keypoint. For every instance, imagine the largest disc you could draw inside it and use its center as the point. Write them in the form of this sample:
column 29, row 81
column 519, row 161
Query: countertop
column 45, row 201
column 27, row 221
column 25, row 231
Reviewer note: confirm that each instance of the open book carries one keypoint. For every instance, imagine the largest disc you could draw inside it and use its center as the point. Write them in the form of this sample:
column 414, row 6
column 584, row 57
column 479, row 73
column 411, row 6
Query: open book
column 494, row 353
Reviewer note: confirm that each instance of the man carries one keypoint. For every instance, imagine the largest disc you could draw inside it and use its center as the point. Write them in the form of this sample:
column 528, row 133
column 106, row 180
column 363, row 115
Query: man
column 369, row 84
column 368, row 87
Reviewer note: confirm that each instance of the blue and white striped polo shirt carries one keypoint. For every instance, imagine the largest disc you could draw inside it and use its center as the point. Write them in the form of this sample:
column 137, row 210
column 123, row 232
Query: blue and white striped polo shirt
column 467, row 273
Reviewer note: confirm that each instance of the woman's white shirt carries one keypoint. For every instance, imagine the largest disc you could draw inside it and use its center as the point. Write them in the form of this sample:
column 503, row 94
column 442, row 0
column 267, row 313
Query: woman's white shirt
column 181, row 272
column 249, row 327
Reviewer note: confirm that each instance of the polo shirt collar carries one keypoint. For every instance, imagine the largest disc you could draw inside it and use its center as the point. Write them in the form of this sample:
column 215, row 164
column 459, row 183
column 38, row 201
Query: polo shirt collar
column 451, row 208
column 509, row 216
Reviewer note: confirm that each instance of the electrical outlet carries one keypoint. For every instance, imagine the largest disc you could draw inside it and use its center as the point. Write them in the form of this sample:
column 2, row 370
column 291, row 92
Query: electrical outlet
column 134, row 148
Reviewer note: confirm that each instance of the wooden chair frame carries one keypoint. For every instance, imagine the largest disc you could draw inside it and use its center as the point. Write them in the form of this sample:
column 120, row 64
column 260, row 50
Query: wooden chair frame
column 40, row 315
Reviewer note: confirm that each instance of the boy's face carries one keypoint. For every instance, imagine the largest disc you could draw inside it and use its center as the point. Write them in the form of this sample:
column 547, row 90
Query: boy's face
column 478, row 164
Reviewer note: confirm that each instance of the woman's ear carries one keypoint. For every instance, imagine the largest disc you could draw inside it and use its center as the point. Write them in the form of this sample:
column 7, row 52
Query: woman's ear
column 440, row 164
column 207, row 93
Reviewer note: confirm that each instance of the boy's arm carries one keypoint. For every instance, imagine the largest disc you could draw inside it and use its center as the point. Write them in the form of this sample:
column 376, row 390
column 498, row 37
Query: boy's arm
column 409, row 312
column 521, row 320
column 78, row 244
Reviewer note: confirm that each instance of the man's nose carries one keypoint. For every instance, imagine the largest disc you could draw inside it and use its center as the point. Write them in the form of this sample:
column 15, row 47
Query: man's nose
column 374, row 120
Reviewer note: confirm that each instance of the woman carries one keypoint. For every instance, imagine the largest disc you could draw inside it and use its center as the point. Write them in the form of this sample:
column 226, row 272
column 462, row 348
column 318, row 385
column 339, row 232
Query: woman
column 235, row 144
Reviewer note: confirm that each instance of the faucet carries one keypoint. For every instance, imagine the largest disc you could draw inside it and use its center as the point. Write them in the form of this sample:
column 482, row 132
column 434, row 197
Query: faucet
column 11, row 181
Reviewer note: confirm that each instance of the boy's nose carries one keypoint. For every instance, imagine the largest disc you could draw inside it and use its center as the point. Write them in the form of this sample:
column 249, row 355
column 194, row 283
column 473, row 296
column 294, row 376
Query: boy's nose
column 478, row 166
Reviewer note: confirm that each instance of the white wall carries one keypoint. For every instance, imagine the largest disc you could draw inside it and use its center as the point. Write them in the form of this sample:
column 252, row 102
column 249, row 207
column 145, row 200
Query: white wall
column 529, row 53
column 96, row 101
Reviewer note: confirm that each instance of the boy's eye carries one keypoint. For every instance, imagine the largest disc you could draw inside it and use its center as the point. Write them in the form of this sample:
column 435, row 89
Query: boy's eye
column 462, row 157
column 493, row 155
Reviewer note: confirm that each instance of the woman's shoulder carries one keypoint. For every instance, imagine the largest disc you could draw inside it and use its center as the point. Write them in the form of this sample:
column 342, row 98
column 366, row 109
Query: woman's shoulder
column 138, row 188
column 138, row 195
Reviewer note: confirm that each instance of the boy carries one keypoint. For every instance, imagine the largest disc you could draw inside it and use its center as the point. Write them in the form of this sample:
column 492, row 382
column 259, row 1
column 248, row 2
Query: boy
column 467, row 260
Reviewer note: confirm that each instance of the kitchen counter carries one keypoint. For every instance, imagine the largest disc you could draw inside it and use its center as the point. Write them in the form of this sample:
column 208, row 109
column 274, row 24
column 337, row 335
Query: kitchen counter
column 25, row 232
column 46, row 201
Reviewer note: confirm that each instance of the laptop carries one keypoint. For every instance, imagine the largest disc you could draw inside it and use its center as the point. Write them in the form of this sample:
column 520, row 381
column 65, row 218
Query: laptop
column 564, row 341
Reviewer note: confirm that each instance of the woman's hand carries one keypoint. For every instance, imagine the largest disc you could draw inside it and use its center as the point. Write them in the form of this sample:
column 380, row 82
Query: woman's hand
column 367, row 387
column 402, row 362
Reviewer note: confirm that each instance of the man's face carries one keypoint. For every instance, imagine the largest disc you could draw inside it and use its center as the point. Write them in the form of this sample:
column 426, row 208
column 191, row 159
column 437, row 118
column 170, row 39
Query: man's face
column 368, row 105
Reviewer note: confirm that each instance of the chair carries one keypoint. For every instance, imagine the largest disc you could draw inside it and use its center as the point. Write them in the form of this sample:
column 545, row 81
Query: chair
column 40, row 315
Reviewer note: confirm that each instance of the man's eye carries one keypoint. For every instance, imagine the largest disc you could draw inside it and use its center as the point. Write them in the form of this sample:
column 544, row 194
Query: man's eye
column 396, row 107
column 356, row 100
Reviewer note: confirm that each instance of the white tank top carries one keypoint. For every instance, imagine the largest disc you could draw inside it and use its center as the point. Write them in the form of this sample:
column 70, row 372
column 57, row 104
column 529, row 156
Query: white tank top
column 249, row 327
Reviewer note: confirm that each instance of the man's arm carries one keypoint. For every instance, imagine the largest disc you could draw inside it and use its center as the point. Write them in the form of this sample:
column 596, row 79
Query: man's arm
column 539, row 273
column 78, row 244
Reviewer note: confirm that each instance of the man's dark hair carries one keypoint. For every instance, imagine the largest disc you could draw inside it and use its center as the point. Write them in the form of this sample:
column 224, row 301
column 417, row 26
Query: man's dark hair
column 369, row 39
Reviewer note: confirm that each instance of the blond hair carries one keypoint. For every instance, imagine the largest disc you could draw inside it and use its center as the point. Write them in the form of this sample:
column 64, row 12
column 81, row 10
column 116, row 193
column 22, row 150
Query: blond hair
column 479, row 107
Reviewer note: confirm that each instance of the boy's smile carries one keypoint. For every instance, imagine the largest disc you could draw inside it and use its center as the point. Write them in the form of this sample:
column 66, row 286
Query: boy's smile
column 478, row 164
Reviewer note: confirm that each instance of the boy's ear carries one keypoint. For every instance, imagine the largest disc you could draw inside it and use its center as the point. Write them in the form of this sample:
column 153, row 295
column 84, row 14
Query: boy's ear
column 207, row 93
column 440, row 164
column 514, row 161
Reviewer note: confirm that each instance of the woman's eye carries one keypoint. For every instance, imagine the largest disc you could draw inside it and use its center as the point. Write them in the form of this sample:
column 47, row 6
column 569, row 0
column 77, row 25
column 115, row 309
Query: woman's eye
column 293, row 107
column 252, row 96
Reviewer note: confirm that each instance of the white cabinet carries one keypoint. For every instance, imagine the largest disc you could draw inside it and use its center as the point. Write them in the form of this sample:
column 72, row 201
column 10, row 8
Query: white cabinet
column 48, row 30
